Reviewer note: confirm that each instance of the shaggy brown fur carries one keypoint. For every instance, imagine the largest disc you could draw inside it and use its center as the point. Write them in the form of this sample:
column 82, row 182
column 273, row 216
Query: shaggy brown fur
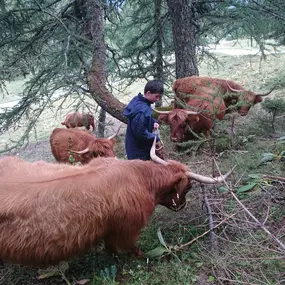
column 77, row 119
column 203, row 100
column 179, row 122
column 52, row 212
column 209, row 86
column 62, row 141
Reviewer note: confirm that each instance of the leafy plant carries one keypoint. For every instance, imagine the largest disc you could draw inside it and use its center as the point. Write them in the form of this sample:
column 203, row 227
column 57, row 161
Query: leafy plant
column 160, row 250
column 273, row 106
column 269, row 156
column 109, row 275
column 252, row 182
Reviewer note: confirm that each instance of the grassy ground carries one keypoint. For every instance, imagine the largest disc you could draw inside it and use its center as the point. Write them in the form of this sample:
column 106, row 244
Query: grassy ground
column 240, row 252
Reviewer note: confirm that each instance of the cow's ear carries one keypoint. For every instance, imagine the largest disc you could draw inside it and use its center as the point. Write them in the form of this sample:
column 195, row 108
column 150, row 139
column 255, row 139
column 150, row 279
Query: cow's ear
column 257, row 99
column 182, row 183
column 163, row 118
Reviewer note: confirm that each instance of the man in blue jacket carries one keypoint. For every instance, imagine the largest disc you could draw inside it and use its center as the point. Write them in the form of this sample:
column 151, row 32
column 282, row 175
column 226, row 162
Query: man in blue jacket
column 139, row 136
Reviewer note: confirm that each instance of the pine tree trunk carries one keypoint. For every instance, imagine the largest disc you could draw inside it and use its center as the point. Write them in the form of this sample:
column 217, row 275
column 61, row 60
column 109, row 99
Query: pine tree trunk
column 184, row 37
column 159, row 48
column 97, row 74
column 101, row 123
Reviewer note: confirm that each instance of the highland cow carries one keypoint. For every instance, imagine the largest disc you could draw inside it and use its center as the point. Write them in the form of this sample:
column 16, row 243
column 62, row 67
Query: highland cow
column 77, row 119
column 53, row 212
column 235, row 96
column 80, row 145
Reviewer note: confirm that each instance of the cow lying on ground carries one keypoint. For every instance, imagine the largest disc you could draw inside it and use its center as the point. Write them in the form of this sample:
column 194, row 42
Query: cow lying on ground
column 234, row 95
column 80, row 144
column 77, row 119
column 52, row 212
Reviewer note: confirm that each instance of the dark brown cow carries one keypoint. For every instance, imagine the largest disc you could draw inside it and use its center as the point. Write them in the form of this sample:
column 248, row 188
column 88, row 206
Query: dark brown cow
column 77, row 119
column 52, row 212
column 79, row 144
column 231, row 92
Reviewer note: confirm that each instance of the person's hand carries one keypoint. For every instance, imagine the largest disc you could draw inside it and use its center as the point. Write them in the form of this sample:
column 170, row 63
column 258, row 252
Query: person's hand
column 156, row 126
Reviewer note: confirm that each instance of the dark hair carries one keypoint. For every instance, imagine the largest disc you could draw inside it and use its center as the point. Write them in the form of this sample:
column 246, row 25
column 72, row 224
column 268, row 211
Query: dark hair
column 154, row 86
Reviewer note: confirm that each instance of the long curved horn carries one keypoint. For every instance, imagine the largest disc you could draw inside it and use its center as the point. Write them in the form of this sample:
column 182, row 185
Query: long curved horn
column 207, row 179
column 267, row 93
column 261, row 94
column 192, row 112
column 235, row 90
column 114, row 135
column 167, row 112
column 154, row 157
column 161, row 112
column 81, row 151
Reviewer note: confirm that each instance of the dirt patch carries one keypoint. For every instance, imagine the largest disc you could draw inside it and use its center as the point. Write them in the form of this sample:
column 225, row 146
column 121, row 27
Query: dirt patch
column 34, row 152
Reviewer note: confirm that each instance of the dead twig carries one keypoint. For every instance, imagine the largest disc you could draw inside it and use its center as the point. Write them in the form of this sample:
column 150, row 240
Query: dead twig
column 273, row 237
column 279, row 178
column 213, row 241
column 236, row 281
column 198, row 237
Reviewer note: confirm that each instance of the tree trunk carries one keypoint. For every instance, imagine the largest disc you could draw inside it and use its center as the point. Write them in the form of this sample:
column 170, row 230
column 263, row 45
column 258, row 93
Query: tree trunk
column 101, row 123
column 97, row 74
column 184, row 37
column 159, row 48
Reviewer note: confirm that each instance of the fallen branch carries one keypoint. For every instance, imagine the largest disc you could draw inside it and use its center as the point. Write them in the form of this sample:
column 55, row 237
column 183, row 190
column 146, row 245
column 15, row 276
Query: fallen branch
column 203, row 234
column 279, row 178
column 258, row 222
column 273, row 237
column 213, row 241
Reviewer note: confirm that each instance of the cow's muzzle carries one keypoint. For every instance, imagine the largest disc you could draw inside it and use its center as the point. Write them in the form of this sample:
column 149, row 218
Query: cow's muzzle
column 176, row 207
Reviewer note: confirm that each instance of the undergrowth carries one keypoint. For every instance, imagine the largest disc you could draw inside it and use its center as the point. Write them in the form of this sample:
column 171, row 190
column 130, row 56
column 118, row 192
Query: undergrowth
column 239, row 251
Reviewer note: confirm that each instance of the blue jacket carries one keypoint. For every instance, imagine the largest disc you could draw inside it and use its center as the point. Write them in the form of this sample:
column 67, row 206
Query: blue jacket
column 139, row 136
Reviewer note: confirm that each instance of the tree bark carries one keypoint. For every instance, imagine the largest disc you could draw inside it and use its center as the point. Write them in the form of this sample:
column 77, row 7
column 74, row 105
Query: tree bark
column 159, row 47
column 101, row 124
column 97, row 73
column 184, row 36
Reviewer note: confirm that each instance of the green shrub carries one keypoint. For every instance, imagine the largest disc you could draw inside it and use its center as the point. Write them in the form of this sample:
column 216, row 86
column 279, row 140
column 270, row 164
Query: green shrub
column 275, row 107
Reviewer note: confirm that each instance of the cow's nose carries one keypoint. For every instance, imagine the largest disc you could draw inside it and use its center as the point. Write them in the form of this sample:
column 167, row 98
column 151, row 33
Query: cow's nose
column 174, row 139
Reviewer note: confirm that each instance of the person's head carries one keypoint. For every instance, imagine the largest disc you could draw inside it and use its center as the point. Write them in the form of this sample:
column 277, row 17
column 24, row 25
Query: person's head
column 153, row 90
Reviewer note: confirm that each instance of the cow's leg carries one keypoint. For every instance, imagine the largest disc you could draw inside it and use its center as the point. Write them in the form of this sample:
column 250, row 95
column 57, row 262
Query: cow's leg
column 110, row 244
column 122, row 241
column 128, row 244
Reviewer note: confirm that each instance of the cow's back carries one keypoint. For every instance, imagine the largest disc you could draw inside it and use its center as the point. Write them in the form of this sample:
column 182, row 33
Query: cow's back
column 52, row 212
column 63, row 140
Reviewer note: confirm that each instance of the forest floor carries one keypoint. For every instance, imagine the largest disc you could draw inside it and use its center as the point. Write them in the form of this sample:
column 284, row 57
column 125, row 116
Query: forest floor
column 242, row 253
